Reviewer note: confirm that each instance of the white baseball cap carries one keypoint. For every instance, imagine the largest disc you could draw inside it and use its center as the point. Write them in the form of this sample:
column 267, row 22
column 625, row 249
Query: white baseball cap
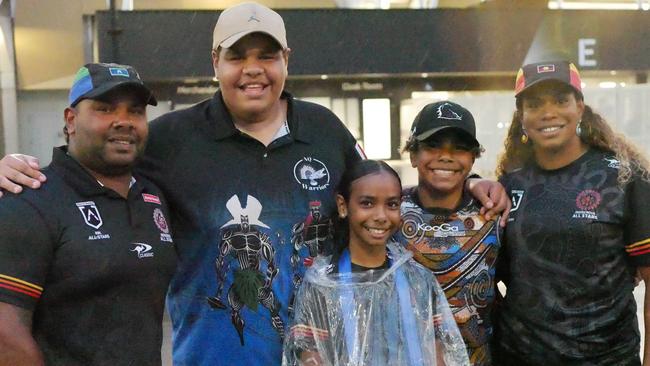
column 246, row 18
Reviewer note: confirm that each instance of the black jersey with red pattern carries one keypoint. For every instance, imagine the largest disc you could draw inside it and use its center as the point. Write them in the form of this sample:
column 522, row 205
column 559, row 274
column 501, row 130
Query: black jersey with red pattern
column 572, row 242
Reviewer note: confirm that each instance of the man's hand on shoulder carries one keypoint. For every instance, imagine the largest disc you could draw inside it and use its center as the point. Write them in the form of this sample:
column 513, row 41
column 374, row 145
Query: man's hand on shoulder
column 492, row 196
column 18, row 170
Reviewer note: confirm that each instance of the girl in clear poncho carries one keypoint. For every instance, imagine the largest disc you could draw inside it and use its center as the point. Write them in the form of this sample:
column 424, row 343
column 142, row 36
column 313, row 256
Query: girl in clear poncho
column 370, row 303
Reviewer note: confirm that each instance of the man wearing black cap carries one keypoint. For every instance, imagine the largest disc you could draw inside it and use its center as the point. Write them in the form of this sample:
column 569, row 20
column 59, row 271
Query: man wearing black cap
column 442, row 224
column 85, row 261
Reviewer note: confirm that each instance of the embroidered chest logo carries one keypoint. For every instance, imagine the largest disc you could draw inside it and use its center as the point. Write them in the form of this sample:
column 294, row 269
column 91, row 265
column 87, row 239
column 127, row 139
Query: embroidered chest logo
column 143, row 250
column 161, row 224
column 92, row 218
column 90, row 214
column 587, row 202
column 612, row 163
column 516, row 196
column 311, row 174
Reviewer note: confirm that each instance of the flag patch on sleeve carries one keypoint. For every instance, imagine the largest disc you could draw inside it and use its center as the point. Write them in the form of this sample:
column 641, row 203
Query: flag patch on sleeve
column 151, row 198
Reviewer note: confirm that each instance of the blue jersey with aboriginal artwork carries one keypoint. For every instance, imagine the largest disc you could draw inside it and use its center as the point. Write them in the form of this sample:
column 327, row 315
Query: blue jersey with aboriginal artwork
column 573, row 239
column 249, row 219
column 461, row 248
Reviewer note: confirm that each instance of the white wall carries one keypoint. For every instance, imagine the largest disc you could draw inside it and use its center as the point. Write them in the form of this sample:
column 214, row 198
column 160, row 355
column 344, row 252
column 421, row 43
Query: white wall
column 9, row 130
column 40, row 121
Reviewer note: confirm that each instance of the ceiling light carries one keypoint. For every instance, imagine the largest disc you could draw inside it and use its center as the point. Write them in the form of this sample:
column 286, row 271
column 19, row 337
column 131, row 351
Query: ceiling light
column 595, row 5
column 607, row 84
column 436, row 95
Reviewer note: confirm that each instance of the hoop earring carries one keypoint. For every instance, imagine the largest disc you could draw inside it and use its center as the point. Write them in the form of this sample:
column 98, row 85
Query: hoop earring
column 579, row 129
column 524, row 138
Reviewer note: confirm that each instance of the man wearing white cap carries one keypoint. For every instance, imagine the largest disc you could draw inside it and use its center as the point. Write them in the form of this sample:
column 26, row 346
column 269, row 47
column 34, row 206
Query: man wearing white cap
column 250, row 176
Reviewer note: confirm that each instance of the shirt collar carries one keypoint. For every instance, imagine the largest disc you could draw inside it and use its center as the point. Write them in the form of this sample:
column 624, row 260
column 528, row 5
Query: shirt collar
column 131, row 182
column 77, row 177
column 225, row 127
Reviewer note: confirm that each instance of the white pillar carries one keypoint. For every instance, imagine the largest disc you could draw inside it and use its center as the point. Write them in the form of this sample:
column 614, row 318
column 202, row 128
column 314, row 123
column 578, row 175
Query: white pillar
column 8, row 108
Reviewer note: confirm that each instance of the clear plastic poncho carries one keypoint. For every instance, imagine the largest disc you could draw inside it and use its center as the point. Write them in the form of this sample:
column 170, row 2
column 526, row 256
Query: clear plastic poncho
column 396, row 316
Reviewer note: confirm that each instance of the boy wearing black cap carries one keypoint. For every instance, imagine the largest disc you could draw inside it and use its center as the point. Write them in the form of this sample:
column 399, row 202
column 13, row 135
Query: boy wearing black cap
column 442, row 224
column 85, row 261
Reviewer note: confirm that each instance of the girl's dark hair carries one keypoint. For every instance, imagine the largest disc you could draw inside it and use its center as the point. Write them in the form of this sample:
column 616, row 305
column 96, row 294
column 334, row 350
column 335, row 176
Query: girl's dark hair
column 357, row 171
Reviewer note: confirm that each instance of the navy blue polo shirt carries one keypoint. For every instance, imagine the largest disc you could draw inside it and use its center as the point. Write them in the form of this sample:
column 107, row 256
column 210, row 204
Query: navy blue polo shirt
column 93, row 266
column 248, row 219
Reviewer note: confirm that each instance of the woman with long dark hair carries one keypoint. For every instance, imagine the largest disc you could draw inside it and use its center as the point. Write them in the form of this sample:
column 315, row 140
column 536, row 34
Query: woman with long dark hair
column 577, row 232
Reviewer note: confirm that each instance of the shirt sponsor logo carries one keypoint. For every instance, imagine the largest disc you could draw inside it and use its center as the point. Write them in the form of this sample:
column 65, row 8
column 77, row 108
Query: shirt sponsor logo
column 151, row 198
column 516, row 196
column 143, row 250
column 587, row 202
column 161, row 223
column 311, row 174
column 413, row 227
column 442, row 227
column 90, row 214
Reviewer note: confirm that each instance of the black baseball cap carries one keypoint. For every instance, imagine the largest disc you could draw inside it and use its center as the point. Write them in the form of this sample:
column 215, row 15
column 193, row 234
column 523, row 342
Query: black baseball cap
column 95, row 79
column 443, row 115
column 535, row 73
